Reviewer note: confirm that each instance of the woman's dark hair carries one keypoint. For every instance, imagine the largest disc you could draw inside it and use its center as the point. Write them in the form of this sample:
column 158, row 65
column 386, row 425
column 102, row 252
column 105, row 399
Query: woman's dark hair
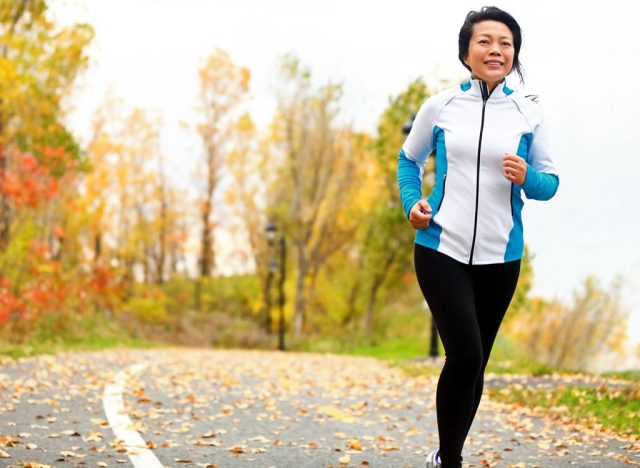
column 490, row 13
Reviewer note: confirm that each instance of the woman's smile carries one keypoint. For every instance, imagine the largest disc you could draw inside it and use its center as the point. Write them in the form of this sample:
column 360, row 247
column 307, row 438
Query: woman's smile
column 491, row 52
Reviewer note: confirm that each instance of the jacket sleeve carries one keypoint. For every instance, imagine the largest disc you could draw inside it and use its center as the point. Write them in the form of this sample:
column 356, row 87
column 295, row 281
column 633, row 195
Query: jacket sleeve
column 541, row 181
column 413, row 156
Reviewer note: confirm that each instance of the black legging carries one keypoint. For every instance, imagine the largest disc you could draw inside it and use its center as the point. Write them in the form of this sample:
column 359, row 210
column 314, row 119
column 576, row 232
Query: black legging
column 468, row 303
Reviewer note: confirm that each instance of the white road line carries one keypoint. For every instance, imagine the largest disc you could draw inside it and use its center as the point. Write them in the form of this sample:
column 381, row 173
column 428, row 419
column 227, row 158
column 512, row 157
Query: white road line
column 137, row 450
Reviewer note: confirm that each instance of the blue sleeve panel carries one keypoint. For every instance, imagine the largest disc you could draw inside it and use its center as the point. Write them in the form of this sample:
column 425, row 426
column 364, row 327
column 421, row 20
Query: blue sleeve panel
column 540, row 185
column 409, row 181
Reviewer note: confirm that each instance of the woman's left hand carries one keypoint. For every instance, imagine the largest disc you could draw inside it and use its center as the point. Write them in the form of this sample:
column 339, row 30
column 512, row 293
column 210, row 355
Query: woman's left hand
column 515, row 168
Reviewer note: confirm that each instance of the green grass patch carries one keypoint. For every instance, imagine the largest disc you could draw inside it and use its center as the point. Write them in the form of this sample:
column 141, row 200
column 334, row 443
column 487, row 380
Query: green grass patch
column 506, row 358
column 616, row 408
column 630, row 375
column 94, row 343
column 401, row 333
column 52, row 334
column 404, row 349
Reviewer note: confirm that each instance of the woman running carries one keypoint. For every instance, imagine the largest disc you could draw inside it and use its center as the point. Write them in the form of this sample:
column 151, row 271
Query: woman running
column 490, row 146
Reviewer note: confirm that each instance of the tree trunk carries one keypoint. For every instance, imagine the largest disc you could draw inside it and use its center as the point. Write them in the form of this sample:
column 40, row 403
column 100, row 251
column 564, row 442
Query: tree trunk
column 377, row 282
column 353, row 295
column 97, row 247
column 206, row 257
column 5, row 208
column 371, row 305
column 162, row 241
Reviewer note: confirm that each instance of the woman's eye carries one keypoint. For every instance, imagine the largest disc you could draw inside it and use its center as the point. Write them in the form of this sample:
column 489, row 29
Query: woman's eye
column 507, row 44
column 483, row 41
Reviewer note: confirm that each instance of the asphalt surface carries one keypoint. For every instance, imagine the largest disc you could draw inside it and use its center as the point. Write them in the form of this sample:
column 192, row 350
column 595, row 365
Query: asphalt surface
column 226, row 408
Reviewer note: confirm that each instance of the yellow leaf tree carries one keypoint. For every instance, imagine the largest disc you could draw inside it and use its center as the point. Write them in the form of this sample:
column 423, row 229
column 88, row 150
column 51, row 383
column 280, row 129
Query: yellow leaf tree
column 38, row 65
column 315, row 183
column 223, row 87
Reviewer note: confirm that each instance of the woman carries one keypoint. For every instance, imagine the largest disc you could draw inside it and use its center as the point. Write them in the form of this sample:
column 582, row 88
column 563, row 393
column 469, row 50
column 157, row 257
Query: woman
column 490, row 146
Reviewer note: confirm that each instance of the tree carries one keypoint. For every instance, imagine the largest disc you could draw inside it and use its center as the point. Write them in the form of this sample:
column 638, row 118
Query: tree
column 223, row 86
column 573, row 336
column 385, row 237
column 316, row 176
column 38, row 64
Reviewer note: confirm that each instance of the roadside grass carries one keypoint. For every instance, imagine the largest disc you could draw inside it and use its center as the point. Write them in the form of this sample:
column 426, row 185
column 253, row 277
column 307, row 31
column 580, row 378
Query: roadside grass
column 57, row 334
column 631, row 375
column 403, row 342
column 412, row 354
column 89, row 343
column 615, row 408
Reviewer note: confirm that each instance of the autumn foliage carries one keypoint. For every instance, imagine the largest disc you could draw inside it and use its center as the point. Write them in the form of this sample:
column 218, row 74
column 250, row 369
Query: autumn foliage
column 102, row 228
column 30, row 184
column 36, row 277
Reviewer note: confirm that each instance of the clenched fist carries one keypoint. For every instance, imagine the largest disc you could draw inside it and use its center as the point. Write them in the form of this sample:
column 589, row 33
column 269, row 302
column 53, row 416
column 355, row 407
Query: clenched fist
column 515, row 168
column 420, row 215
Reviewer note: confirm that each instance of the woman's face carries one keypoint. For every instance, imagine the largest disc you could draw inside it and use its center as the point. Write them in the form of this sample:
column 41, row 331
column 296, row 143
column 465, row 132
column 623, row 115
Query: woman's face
column 491, row 52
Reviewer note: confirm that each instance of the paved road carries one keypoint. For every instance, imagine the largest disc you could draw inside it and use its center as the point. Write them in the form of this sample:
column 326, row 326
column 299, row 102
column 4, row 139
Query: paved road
column 217, row 408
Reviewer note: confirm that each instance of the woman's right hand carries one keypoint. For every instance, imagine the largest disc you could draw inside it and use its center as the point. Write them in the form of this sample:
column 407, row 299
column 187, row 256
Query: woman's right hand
column 420, row 215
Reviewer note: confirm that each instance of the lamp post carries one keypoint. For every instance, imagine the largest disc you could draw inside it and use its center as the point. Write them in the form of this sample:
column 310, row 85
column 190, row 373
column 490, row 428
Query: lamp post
column 272, row 231
column 283, row 263
column 433, row 347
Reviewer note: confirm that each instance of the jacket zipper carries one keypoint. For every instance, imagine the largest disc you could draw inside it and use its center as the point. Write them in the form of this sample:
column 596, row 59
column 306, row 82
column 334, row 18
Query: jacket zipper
column 485, row 96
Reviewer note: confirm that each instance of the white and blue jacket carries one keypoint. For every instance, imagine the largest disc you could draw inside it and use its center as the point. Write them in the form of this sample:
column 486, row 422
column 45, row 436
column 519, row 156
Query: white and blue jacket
column 476, row 211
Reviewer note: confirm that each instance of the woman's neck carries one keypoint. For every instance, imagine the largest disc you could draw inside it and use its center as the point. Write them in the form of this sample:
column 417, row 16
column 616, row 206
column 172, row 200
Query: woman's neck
column 491, row 86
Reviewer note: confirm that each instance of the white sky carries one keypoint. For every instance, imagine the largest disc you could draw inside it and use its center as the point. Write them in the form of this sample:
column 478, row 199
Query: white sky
column 580, row 57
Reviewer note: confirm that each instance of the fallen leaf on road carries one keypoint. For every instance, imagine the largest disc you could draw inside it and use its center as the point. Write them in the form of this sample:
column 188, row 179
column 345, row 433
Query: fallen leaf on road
column 355, row 444
column 389, row 448
column 8, row 442
column 204, row 443
column 335, row 413
column 100, row 422
column 94, row 436
column 412, row 431
column 68, row 453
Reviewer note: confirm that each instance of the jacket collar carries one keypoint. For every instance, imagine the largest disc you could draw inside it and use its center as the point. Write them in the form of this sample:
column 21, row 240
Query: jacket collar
column 479, row 88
